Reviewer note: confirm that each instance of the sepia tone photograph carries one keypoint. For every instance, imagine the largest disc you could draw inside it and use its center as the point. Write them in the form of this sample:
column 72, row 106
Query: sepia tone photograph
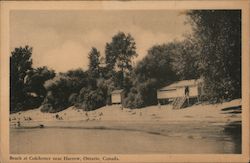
column 124, row 82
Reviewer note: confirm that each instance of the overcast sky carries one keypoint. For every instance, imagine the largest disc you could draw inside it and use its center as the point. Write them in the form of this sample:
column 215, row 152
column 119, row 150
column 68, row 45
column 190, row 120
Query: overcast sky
column 62, row 39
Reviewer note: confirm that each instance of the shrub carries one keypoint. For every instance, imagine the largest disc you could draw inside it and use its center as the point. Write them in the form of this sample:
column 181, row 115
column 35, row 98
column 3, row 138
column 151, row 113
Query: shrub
column 60, row 91
column 134, row 100
column 47, row 108
column 73, row 99
column 89, row 99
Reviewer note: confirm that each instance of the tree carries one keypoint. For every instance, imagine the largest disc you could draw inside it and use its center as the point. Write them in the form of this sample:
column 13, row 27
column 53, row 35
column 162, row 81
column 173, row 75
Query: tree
column 94, row 62
column 219, row 34
column 119, row 54
column 36, row 78
column 153, row 72
column 20, row 64
column 93, row 99
column 185, row 58
column 60, row 89
column 157, row 65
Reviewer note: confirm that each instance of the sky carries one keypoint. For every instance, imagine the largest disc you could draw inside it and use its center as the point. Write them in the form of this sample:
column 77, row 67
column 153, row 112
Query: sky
column 61, row 40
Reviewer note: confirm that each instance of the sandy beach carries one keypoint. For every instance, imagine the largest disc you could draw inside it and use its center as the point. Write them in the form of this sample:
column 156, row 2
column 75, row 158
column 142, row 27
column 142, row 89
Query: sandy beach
column 215, row 113
column 111, row 129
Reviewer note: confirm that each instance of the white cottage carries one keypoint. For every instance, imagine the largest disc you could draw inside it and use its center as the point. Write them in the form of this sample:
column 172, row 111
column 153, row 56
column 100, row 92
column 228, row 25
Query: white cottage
column 191, row 88
column 117, row 96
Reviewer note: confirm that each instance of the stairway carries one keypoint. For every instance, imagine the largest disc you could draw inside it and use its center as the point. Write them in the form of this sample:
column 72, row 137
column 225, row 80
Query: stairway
column 179, row 102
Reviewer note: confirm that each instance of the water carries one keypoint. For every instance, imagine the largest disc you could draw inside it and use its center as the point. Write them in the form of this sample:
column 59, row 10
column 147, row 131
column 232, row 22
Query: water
column 128, row 138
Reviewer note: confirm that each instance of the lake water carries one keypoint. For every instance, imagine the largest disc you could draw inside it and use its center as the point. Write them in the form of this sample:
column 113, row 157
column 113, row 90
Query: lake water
column 128, row 139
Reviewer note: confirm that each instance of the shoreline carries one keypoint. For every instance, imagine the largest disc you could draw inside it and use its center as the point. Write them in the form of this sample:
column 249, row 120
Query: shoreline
column 224, row 113
column 93, row 124
column 205, row 128
column 104, row 137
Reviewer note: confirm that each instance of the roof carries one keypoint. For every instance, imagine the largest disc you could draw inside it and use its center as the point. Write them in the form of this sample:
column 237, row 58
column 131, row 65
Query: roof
column 182, row 83
column 118, row 91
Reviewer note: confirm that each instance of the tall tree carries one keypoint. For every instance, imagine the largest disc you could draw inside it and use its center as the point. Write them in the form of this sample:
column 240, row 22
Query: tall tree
column 20, row 64
column 119, row 53
column 153, row 72
column 94, row 62
column 157, row 65
column 219, row 35
column 185, row 58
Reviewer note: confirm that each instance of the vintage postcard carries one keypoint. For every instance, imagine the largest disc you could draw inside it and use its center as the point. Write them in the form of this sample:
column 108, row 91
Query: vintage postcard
column 125, row 81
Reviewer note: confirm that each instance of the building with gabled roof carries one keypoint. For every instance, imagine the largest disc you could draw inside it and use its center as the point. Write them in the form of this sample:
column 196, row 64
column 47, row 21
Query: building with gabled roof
column 117, row 96
column 186, row 88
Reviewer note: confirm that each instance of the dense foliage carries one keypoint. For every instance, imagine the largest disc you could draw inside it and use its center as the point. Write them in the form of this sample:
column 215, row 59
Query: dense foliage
column 94, row 63
column 60, row 89
column 119, row 53
column 26, row 83
column 218, row 32
column 20, row 63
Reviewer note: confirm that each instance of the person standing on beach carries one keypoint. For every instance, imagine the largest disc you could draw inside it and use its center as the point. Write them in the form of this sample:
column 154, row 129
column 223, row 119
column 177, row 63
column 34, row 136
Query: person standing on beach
column 187, row 93
column 18, row 124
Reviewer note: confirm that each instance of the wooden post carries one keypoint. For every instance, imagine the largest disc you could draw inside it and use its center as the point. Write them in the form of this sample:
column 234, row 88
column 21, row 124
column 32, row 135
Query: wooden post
column 159, row 104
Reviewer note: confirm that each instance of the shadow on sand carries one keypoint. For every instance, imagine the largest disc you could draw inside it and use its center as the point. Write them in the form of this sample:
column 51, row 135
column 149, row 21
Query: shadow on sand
column 234, row 130
column 232, row 110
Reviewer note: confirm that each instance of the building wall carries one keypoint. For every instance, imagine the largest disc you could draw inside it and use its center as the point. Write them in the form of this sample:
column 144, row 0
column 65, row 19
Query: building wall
column 193, row 91
column 178, row 92
column 116, row 98
column 166, row 94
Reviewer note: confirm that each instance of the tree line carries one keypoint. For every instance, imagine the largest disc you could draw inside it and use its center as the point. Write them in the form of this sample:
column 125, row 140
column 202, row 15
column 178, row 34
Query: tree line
column 212, row 51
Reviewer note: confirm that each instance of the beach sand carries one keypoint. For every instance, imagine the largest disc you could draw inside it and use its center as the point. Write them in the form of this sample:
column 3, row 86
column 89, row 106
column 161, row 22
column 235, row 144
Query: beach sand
column 215, row 113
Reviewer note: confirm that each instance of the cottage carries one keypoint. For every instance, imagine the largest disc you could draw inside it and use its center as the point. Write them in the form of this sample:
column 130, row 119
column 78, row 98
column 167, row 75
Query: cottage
column 117, row 96
column 191, row 89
